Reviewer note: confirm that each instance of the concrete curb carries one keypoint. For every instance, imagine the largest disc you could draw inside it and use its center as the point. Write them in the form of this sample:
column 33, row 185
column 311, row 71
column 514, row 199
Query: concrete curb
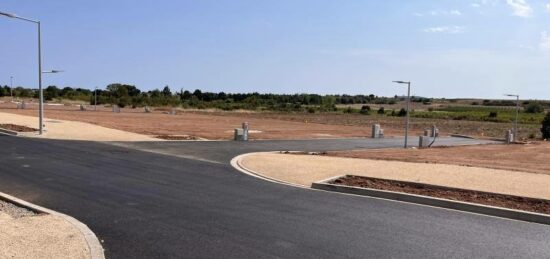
column 434, row 202
column 236, row 162
column 9, row 132
column 96, row 250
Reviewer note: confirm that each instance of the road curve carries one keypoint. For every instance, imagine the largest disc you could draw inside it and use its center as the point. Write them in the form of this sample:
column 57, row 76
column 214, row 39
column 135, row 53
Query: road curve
column 183, row 199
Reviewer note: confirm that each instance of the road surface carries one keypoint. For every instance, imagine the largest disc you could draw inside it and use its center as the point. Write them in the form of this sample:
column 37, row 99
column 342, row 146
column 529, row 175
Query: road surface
column 179, row 200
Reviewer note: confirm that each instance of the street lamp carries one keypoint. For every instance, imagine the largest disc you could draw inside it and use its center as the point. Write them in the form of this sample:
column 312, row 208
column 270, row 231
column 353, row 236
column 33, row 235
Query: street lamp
column 517, row 114
column 408, row 105
column 11, row 88
column 40, row 93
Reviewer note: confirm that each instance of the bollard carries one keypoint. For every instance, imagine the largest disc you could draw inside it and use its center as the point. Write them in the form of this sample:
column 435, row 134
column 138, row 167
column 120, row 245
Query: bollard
column 147, row 109
column 435, row 132
column 82, row 107
column 381, row 133
column 426, row 132
column 239, row 134
column 376, row 131
column 509, row 137
column 245, row 127
column 116, row 109
column 424, row 141
column 173, row 111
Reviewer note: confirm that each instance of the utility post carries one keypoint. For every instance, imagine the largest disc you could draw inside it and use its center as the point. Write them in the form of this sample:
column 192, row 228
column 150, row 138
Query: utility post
column 408, row 108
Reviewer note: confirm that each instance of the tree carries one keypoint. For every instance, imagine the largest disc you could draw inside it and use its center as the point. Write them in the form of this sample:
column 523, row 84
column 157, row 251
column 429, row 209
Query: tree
column 546, row 127
column 365, row 109
column 166, row 91
column 381, row 110
column 534, row 108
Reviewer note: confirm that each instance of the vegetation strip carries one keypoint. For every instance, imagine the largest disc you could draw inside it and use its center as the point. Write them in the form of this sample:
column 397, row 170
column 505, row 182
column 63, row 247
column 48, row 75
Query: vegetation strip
column 491, row 199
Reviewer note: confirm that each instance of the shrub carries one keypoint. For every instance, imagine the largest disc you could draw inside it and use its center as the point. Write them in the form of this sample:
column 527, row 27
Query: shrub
column 546, row 127
column 431, row 109
column 402, row 112
column 381, row 110
column 348, row 110
column 365, row 110
column 493, row 114
column 311, row 110
column 534, row 108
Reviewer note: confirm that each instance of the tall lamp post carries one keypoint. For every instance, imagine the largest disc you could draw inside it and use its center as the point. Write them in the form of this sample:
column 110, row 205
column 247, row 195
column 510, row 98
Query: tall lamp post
column 408, row 106
column 11, row 88
column 40, row 93
column 517, row 114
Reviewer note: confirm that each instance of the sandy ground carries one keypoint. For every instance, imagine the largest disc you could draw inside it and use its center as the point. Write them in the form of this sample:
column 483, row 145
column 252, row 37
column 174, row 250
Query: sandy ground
column 306, row 169
column 43, row 236
column 214, row 126
column 73, row 130
column 534, row 157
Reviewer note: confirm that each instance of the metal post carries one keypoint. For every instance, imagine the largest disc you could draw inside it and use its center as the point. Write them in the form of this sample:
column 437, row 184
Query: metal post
column 517, row 117
column 11, row 88
column 40, row 92
column 408, row 116
column 95, row 101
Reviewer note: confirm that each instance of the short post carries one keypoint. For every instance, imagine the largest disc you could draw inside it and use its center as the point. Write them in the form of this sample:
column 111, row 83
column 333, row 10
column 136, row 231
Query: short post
column 147, row 109
column 376, row 131
column 423, row 141
column 116, row 109
column 509, row 138
column 435, row 132
column 245, row 131
column 82, row 107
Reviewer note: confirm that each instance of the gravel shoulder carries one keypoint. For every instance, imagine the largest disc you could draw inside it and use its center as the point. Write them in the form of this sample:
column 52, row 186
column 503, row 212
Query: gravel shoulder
column 24, row 234
column 306, row 169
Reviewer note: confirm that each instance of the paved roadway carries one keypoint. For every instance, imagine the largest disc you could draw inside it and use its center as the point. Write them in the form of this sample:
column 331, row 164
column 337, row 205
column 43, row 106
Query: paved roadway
column 192, row 203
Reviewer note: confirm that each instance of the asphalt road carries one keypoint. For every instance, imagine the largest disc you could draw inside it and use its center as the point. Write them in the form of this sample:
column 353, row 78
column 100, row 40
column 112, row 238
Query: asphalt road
column 192, row 203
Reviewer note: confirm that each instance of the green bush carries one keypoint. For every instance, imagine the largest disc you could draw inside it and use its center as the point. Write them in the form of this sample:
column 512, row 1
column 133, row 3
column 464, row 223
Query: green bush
column 534, row 108
column 381, row 110
column 546, row 127
column 365, row 110
column 402, row 112
column 493, row 114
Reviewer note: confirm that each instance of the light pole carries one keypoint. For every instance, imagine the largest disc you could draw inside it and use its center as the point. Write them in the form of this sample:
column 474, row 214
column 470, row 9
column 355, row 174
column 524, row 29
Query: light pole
column 517, row 114
column 95, row 99
column 11, row 88
column 408, row 106
column 40, row 93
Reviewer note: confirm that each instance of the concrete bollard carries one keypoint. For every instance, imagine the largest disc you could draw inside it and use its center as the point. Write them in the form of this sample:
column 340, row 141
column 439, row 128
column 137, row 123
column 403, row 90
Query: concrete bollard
column 424, row 141
column 116, row 109
column 509, row 137
column 242, row 133
column 375, row 131
column 245, row 127
column 426, row 132
column 381, row 133
column 435, row 132
column 82, row 107
column 147, row 109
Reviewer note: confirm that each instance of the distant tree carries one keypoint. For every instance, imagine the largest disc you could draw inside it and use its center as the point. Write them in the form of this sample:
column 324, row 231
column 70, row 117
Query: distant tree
column 365, row 110
column 534, row 108
column 381, row 110
column 546, row 127
column 166, row 91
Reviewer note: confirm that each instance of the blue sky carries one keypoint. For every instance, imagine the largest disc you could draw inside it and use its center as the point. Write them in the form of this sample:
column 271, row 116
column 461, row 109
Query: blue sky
column 477, row 48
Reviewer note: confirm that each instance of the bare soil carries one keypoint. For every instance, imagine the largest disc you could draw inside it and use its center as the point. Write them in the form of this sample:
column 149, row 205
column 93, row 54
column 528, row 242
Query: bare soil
column 492, row 199
column 533, row 157
column 17, row 128
column 215, row 124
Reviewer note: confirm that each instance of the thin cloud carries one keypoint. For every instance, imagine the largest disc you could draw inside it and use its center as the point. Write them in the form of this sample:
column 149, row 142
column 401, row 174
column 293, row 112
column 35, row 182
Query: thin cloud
column 453, row 12
column 547, row 7
column 544, row 44
column 520, row 8
column 446, row 29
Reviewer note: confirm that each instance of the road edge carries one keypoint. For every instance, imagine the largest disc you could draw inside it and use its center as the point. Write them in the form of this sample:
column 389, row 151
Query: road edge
column 454, row 206
column 96, row 249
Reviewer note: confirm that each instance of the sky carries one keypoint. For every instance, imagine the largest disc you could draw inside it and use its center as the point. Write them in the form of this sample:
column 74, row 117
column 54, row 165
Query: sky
column 451, row 49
